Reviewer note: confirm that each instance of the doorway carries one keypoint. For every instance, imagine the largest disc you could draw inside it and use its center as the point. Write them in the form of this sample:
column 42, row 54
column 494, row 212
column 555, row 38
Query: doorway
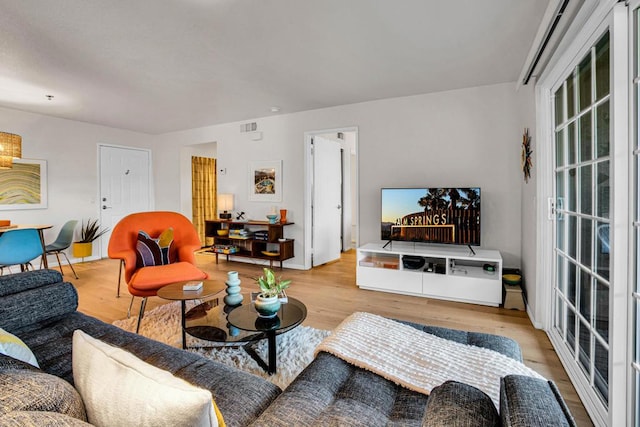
column 208, row 150
column 330, row 194
column 125, row 185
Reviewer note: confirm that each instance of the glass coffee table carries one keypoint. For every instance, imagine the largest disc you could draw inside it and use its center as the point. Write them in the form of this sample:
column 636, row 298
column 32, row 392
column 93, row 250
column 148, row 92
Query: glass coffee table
column 175, row 292
column 240, row 326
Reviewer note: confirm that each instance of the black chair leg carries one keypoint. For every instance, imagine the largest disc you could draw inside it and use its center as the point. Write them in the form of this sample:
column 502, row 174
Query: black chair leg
column 119, row 277
column 70, row 265
column 130, row 305
column 142, row 306
column 59, row 263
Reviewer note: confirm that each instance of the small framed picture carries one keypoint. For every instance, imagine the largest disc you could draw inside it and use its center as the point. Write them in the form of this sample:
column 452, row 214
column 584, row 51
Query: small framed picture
column 265, row 181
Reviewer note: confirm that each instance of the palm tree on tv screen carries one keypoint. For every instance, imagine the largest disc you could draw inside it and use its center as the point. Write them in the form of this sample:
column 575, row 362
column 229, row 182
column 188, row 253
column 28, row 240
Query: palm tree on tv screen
column 434, row 199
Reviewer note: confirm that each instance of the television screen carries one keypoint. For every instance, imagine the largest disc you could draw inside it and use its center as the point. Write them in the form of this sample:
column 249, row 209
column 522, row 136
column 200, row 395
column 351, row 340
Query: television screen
column 431, row 215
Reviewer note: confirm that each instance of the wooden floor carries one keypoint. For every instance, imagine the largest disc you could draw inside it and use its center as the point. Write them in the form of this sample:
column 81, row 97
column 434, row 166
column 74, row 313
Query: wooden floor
column 330, row 294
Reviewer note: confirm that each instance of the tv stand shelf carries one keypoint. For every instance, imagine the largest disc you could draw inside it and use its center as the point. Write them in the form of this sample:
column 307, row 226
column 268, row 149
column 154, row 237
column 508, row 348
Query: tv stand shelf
column 451, row 273
column 274, row 248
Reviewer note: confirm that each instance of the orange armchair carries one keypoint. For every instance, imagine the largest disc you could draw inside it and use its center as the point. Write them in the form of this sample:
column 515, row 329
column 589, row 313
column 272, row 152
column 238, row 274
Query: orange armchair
column 145, row 281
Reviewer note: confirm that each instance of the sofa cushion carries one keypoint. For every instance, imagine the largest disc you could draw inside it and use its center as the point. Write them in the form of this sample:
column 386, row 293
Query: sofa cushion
column 20, row 282
column 40, row 419
column 332, row 392
column 115, row 385
column 150, row 277
column 231, row 388
column 13, row 346
column 32, row 390
column 23, row 312
column 8, row 362
column 526, row 401
column 501, row 344
column 154, row 251
column 458, row 404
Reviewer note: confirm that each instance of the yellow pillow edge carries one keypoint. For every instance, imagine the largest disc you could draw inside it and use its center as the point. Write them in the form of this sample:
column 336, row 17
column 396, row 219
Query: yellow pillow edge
column 26, row 353
column 165, row 238
column 139, row 369
column 221, row 422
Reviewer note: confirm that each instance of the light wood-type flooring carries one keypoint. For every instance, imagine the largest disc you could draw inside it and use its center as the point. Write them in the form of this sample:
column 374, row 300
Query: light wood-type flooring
column 330, row 294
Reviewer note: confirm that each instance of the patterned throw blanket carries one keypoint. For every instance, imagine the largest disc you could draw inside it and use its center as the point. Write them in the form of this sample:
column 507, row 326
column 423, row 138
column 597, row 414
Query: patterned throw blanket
column 417, row 360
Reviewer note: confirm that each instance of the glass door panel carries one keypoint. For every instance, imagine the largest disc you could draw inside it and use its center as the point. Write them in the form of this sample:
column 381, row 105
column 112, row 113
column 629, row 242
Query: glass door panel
column 635, row 292
column 582, row 173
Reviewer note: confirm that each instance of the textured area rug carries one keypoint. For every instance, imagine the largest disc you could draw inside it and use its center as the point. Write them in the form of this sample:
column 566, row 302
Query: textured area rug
column 295, row 348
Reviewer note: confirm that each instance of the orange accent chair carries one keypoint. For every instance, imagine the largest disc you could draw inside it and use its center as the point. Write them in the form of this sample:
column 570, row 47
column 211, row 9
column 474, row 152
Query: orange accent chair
column 145, row 281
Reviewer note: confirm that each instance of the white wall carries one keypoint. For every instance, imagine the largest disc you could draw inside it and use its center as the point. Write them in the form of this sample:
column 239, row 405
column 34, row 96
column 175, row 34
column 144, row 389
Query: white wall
column 71, row 151
column 468, row 137
column 529, row 220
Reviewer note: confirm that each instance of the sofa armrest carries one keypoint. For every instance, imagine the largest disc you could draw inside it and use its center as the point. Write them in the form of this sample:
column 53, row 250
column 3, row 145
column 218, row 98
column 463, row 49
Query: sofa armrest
column 507, row 346
column 38, row 302
column 20, row 282
column 458, row 404
column 528, row 401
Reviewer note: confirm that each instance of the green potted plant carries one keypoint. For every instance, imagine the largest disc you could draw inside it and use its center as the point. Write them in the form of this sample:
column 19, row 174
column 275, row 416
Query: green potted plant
column 267, row 303
column 89, row 232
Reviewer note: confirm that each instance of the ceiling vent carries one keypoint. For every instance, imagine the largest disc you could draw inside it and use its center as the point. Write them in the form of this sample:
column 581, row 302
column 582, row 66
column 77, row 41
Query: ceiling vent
column 249, row 127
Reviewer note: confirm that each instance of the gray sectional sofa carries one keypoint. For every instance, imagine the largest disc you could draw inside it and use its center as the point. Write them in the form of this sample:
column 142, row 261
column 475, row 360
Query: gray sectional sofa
column 40, row 308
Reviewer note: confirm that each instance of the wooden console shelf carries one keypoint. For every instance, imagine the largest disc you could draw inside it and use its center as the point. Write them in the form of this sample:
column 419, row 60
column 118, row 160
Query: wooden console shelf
column 250, row 246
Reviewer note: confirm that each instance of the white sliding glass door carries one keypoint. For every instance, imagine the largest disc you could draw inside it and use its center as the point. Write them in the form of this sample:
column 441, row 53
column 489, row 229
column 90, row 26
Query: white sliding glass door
column 582, row 193
column 586, row 245
column 634, row 327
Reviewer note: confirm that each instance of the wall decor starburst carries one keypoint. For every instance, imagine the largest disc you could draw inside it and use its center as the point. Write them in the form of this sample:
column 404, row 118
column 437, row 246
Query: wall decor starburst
column 525, row 156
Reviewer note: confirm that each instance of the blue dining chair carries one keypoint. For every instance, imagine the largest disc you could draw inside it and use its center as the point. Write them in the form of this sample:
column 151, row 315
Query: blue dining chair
column 19, row 247
column 62, row 242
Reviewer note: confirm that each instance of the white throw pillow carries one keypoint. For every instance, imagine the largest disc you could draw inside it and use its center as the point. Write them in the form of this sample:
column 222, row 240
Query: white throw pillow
column 13, row 346
column 119, row 389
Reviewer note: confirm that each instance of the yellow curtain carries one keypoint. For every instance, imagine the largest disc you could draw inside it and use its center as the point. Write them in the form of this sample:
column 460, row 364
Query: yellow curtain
column 203, row 192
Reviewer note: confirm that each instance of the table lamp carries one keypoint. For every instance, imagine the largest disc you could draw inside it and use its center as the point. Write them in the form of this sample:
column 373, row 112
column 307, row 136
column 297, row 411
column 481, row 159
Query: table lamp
column 225, row 204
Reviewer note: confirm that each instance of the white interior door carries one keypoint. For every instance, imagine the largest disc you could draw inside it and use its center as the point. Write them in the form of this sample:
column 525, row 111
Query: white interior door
column 327, row 201
column 125, row 185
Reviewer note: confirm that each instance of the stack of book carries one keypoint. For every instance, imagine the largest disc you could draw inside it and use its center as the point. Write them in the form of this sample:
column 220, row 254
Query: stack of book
column 240, row 233
column 225, row 249
column 262, row 235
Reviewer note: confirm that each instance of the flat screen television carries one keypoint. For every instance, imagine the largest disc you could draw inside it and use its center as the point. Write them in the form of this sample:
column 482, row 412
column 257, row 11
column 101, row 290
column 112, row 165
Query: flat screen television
column 431, row 215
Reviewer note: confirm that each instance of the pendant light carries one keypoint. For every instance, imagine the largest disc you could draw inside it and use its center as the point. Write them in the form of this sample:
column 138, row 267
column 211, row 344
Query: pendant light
column 10, row 148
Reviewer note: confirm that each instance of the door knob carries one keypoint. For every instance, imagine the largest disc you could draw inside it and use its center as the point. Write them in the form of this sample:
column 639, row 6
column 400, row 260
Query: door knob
column 106, row 207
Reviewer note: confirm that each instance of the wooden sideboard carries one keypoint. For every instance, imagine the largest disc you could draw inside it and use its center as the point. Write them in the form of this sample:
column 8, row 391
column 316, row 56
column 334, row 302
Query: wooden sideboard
column 276, row 246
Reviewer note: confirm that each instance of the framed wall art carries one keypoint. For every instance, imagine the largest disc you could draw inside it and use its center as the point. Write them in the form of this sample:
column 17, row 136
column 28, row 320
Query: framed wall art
column 24, row 186
column 265, row 181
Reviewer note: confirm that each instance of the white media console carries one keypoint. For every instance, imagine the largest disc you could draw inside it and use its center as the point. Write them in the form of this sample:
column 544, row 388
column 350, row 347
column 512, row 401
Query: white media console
column 451, row 273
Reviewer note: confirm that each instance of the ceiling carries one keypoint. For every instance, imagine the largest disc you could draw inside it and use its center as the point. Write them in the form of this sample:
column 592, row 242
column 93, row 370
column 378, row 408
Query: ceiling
column 157, row 66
